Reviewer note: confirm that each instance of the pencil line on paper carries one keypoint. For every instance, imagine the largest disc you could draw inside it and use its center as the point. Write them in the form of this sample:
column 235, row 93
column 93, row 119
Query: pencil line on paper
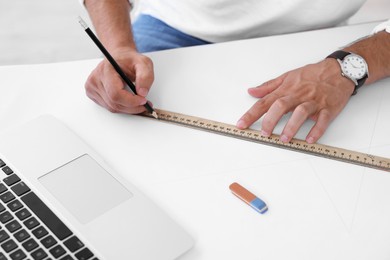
column 329, row 197
column 369, row 151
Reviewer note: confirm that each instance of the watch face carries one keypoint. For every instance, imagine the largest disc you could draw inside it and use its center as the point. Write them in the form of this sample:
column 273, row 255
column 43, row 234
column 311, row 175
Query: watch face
column 354, row 66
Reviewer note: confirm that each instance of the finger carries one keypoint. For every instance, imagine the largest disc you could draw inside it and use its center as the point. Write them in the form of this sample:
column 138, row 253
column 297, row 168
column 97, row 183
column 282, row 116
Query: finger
column 144, row 77
column 299, row 116
column 280, row 107
column 128, row 110
column 92, row 83
column 99, row 94
column 323, row 121
column 116, row 94
column 255, row 112
column 92, row 89
column 266, row 88
column 95, row 96
column 116, row 107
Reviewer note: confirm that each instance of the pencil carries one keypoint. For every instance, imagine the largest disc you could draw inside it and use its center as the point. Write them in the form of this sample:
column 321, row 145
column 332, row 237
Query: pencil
column 114, row 64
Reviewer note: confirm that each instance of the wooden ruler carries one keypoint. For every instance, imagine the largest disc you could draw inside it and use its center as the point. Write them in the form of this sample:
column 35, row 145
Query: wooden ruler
column 251, row 135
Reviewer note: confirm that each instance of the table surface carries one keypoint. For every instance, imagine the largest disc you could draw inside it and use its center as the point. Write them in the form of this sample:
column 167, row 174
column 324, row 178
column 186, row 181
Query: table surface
column 318, row 208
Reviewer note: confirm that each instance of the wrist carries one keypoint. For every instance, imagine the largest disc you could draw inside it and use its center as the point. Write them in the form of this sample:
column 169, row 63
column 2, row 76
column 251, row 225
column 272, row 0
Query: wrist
column 376, row 51
column 121, row 45
column 353, row 67
column 123, row 51
column 334, row 75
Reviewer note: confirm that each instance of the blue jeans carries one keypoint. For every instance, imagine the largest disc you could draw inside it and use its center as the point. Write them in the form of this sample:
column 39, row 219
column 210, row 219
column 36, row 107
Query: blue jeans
column 151, row 34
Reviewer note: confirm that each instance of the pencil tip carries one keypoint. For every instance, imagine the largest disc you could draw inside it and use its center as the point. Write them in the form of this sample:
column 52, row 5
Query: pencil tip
column 154, row 114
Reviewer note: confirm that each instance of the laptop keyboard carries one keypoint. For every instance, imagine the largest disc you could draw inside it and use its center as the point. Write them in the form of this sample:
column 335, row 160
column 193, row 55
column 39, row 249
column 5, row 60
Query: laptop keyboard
column 29, row 229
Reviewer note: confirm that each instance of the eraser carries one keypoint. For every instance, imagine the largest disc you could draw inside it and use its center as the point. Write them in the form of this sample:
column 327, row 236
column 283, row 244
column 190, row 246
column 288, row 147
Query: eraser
column 248, row 197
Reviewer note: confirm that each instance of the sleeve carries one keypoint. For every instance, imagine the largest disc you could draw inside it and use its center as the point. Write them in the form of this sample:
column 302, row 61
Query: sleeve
column 385, row 26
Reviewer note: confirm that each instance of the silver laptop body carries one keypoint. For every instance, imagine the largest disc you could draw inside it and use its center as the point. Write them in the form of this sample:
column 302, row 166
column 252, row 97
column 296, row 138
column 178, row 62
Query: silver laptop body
column 102, row 213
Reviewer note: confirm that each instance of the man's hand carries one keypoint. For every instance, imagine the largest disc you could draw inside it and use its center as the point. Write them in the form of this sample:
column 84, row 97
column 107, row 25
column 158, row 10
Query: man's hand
column 111, row 20
column 316, row 91
column 106, row 88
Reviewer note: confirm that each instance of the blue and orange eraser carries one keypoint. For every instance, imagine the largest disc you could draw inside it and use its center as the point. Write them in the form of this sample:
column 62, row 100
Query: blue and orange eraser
column 248, row 197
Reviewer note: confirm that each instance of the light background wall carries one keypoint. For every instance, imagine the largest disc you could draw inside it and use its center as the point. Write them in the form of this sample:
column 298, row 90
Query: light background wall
column 43, row 31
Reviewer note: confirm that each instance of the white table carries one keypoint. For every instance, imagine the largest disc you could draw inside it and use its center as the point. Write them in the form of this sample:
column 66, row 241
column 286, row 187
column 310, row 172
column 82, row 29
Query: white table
column 318, row 208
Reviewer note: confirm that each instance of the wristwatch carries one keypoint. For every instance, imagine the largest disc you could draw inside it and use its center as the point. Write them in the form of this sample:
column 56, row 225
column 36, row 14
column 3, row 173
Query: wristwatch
column 353, row 67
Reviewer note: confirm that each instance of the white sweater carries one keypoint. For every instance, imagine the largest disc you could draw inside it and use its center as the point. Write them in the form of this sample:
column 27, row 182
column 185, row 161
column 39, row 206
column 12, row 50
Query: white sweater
column 225, row 20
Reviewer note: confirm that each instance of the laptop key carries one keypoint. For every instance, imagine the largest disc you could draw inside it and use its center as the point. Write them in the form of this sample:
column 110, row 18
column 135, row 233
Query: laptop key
column 3, row 188
column 31, row 223
column 46, row 215
column 13, row 226
column 12, row 179
column 3, row 236
column 5, row 217
column 18, row 255
column 30, row 245
column 73, row 244
column 23, row 214
column 9, row 245
column 67, row 257
column 2, row 163
column 20, row 188
column 57, row 251
column 7, row 170
column 39, row 232
column 48, row 241
column 2, row 256
column 21, row 235
column 7, row 197
column 15, row 205
column 84, row 254
column 38, row 254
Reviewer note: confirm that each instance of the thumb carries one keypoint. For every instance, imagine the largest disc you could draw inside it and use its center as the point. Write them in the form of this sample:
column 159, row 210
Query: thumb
column 144, row 77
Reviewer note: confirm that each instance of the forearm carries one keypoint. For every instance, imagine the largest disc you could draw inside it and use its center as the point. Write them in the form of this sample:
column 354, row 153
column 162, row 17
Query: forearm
column 376, row 51
column 111, row 20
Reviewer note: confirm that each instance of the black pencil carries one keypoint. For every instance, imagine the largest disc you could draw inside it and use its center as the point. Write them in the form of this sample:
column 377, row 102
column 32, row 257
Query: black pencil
column 114, row 64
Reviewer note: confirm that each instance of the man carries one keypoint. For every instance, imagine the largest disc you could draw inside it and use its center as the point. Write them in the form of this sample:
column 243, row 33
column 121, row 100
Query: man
column 317, row 91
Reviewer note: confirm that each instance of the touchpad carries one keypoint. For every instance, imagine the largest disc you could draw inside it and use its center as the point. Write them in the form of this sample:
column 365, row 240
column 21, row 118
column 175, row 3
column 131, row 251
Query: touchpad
column 85, row 188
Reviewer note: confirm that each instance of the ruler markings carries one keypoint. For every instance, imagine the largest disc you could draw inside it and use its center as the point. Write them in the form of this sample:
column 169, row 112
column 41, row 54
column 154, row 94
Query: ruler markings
column 321, row 150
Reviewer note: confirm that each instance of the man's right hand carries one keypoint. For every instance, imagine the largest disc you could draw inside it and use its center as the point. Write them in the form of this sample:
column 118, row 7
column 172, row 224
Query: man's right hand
column 111, row 20
column 106, row 87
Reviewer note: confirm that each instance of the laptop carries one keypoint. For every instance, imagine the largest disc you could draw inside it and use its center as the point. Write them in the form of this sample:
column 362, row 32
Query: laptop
column 60, row 200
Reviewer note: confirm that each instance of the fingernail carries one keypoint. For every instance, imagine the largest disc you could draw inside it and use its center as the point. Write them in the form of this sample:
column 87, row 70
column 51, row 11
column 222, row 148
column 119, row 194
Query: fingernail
column 241, row 124
column 264, row 133
column 251, row 89
column 310, row 140
column 143, row 102
column 143, row 92
column 284, row 138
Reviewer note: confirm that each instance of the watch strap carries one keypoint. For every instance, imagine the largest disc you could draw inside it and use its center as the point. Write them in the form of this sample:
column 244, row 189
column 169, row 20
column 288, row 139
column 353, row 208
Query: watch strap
column 338, row 54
